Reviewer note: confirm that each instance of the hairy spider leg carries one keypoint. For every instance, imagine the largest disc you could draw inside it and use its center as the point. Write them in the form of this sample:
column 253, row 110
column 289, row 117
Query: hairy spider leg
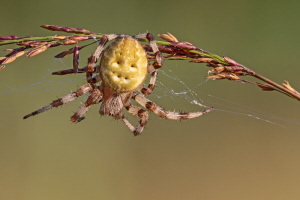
column 139, row 112
column 146, row 103
column 70, row 71
column 152, row 69
column 66, row 99
column 94, row 58
column 94, row 98
column 93, row 79
column 151, row 85
column 76, row 58
column 153, row 45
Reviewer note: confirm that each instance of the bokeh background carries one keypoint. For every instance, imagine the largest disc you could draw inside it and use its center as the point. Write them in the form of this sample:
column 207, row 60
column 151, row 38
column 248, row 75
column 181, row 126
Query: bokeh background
column 248, row 148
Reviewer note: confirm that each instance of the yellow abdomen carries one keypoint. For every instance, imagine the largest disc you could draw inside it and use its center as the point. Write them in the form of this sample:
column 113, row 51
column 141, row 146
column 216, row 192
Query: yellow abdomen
column 123, row 65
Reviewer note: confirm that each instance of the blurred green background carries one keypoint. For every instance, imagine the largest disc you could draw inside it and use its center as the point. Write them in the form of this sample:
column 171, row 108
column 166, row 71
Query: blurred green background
column 222, row 156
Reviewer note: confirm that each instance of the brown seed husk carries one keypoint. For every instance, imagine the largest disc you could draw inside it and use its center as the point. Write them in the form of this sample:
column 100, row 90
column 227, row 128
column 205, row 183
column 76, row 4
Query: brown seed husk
column 37, row 51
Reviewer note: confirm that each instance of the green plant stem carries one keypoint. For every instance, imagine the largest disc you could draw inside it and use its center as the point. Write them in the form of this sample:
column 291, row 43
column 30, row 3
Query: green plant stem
column 272, row 83
column 26, row 39
column 219, row 59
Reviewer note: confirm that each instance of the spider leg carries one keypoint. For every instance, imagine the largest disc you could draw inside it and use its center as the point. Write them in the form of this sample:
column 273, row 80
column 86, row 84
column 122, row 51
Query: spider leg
column 153, row 45
column 139, row 112
column 94, row 98
column 151, row 85
column 89, row 76
column 94, row 79
column 76, row 58
column 152, row 69
column 143, row 101
column 70, row 71
column 66, row 99
column 94, row 58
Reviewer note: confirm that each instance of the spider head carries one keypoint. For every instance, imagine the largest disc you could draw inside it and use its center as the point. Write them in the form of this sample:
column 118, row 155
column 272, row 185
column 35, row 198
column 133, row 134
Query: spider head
column 114, row 102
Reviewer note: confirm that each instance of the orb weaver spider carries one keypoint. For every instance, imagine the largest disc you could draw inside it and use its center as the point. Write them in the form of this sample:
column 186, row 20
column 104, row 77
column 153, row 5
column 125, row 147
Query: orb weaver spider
column 119, row 78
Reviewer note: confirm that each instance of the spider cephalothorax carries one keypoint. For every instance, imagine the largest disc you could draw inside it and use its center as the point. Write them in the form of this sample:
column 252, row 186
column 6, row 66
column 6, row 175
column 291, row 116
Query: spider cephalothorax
column 119, row 78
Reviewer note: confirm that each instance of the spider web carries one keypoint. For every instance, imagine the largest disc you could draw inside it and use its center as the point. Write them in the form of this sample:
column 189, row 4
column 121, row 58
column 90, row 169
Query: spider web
column 192, row 94
column 45, row 83
column 173, row 87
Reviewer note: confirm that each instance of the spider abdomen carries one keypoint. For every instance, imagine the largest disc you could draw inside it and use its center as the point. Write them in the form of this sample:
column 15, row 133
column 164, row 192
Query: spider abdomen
column 123, row 65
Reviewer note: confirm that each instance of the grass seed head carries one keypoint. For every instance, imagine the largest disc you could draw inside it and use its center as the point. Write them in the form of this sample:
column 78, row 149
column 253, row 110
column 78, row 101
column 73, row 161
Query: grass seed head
column 168, row 37
column 37, row 51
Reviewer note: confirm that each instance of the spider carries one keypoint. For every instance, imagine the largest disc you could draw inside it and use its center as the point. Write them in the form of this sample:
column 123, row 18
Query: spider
column 119, row 79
